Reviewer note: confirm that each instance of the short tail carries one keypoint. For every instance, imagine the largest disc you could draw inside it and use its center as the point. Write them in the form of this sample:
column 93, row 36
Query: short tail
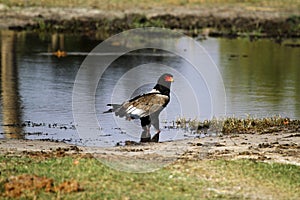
column 114, row 108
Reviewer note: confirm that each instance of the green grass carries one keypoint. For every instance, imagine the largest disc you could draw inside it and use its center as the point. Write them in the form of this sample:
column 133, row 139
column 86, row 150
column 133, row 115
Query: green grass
column 208, row 179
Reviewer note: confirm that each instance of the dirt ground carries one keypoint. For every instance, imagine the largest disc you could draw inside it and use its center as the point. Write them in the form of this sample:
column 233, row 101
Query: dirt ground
column 272, row 147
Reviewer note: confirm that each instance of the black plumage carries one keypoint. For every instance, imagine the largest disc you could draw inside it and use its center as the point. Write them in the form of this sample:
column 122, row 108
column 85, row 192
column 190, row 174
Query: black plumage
column 146, row 107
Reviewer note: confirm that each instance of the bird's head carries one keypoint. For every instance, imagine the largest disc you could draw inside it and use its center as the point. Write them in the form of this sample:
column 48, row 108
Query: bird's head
column 164, row 83
column 165, row 80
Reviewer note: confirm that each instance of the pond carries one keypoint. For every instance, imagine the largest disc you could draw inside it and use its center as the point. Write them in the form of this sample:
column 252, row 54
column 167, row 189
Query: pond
column 261, row 79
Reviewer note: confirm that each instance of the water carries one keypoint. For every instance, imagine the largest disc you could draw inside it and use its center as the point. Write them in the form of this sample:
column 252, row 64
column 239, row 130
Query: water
column 261, row 79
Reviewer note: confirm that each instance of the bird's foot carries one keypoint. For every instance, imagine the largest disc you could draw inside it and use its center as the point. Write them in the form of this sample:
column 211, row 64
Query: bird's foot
column 145, row 137
column 155, row 138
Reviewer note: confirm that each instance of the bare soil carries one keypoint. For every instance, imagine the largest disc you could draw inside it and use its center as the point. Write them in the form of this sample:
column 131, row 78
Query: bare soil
column 16, row 185
column 278, row 147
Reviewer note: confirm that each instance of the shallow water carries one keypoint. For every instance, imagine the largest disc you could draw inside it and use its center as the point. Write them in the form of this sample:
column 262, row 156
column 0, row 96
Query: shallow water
column 261, row 78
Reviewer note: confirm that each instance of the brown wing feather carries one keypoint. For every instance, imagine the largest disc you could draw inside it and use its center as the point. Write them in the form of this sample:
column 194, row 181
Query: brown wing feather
column 143, row 105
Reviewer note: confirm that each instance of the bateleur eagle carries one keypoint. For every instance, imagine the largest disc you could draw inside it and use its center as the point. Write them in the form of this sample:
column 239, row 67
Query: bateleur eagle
column 146, row 107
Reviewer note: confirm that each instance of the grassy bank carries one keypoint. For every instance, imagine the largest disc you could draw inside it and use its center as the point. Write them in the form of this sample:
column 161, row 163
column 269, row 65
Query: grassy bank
column 148, row 4
column 211, row 179
column 252, row 18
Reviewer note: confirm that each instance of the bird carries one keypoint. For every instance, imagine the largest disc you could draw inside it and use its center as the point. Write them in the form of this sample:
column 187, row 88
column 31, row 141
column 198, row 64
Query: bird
column 146, row 107
column 60, row 53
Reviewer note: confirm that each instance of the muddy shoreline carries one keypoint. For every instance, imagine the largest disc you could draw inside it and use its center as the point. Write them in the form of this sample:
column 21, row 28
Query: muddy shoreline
column 280, row 147
column 272, row 139
column 222, row 21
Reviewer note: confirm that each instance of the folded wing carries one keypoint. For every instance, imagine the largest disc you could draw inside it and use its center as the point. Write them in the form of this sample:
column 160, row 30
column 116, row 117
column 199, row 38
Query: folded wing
column 142, row 106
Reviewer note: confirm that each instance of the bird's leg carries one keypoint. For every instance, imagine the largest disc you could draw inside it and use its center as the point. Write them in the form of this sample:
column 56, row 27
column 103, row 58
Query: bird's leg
column 155, row 123
column 146, row 136
column 146, row 123
column 155, row 138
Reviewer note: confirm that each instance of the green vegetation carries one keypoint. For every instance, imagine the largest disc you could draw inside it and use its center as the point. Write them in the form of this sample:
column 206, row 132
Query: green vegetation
column 228, row 18
column 211, row 179
column 241, row 125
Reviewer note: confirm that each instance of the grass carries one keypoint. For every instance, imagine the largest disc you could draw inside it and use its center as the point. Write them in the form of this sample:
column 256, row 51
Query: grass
column 209, row 179
column 148, row 4
column 241, row 125
column 276, row 18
